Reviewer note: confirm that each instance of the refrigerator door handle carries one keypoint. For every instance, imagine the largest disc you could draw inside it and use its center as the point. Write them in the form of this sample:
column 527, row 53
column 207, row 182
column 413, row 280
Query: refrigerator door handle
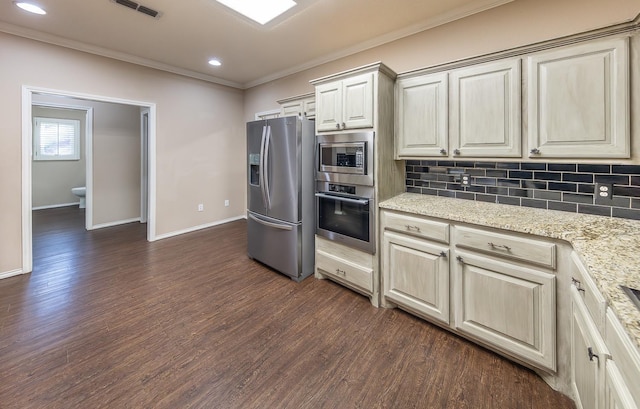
column 269, row 224
column 266, row 169
column 262, row 166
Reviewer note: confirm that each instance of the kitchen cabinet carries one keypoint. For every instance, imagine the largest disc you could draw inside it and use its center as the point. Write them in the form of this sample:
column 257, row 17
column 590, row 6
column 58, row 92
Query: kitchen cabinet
column 588, row 356
column 301, row 105
column 496, row 289
column 502, row 301
column 486, row 110
column 345, row 104
column 422, row 116
column 415, row 269
column 622, row 388
column 348, row 266
column 578, row 101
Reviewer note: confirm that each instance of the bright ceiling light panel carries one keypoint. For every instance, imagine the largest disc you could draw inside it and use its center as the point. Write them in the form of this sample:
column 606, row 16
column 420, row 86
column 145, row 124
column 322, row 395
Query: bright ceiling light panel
column 31, row 8
column 261, row 11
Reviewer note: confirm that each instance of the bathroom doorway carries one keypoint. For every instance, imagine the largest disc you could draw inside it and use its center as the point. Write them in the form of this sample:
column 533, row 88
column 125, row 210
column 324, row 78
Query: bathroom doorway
column 101, row 155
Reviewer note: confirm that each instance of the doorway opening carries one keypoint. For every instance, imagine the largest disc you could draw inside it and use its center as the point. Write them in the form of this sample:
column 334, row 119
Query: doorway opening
column 146, row 115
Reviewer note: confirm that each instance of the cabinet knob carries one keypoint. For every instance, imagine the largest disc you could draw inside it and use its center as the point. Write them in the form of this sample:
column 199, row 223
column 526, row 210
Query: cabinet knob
column 443, row 151
column 460, row 259
column 535, row 151
column 337, row 126
column 443, row 254
column 344, row 126
column 456, row 151
column 592, row 355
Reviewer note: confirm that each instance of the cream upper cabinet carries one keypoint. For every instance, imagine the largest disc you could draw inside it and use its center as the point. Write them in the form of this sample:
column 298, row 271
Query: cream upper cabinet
column 422, row 116
column 345, row 104
column 578, row 101
column 486, row 110
column 301, row 105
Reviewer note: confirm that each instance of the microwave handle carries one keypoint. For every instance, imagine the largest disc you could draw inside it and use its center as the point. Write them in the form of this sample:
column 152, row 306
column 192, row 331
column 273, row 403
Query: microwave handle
column 343, row 199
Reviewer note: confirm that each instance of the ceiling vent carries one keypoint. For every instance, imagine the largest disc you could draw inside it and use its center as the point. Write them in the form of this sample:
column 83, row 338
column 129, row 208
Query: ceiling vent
column 138, row 7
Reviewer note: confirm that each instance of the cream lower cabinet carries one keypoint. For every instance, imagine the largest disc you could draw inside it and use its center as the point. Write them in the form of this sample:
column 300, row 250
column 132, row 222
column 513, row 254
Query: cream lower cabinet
column 350, row 267
column 588, row 356
column 509, row 306
column 468, row 285
column 419, row 278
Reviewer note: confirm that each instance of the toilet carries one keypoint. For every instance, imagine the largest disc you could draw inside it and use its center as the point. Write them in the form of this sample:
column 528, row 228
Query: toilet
column 81, row 192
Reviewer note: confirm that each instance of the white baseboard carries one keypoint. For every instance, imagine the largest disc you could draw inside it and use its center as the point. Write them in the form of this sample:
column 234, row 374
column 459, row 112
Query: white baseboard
column 196, row 228
column 12, row 273
column 55, row 206
column 116, row 223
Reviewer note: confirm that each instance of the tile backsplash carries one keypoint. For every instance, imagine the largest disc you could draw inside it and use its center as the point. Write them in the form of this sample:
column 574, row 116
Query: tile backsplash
column 569, row 187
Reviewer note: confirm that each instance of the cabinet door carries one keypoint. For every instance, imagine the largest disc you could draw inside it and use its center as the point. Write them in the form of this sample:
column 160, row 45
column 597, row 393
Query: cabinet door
column 357, row 102
column 422, row 116
column 508, row 306
column 329, row 106
column 616, row 392
column 486, row 110
column 309, row 108
column 416, row 275
column 291, row 108
column 587, row 371
column 579, row 101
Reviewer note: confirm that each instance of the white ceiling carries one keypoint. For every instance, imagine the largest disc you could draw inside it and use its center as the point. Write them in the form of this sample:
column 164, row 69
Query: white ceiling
column 190, row 32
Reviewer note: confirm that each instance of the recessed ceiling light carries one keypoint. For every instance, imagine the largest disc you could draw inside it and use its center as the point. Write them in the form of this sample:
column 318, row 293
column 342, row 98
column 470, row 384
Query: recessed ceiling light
column 261, row 11
column 31, row 8
column 215, row 62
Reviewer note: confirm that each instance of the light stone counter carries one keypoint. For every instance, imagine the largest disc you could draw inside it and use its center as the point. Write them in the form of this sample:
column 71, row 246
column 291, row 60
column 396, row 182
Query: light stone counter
column 608, row 247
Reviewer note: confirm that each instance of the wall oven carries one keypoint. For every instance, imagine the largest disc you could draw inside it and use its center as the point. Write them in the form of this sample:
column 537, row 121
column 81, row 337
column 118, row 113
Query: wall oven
column 346, row 214
column 345, row 158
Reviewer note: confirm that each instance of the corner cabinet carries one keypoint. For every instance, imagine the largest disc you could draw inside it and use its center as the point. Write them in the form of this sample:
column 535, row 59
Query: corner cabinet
column 578, row 105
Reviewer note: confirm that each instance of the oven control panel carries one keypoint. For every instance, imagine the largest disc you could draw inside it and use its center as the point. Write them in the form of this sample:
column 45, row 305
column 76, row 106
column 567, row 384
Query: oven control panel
column 342, row 188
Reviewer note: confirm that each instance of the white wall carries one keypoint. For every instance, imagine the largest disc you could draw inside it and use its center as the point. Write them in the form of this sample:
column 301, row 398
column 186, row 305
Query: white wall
column 200, row 134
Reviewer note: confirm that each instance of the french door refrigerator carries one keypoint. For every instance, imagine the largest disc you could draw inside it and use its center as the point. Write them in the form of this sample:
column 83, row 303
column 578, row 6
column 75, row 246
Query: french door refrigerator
column 280, row 194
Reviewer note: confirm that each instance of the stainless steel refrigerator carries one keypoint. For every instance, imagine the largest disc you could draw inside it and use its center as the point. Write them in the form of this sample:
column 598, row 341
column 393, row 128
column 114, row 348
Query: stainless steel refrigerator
column 280, row 194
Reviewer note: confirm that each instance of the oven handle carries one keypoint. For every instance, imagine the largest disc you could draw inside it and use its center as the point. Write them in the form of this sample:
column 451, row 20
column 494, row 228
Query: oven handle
column 343, row 199
column 269, row 224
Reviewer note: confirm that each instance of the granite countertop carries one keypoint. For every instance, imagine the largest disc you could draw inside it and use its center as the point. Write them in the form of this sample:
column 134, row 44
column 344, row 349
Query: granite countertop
column 608, row 247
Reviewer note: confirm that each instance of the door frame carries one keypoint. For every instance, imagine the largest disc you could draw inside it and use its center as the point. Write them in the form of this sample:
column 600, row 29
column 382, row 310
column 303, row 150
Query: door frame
column 27, row 154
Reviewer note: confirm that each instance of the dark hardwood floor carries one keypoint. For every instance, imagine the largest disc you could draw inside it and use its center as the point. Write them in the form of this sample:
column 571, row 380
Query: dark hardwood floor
column 108, row 320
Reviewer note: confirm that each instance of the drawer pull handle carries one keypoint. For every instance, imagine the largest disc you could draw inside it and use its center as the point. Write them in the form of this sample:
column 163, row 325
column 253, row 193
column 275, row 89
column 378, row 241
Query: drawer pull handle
column 592, row 355
column 412, row 228
column 499, row 246
column 341, row 272
column 577, row 284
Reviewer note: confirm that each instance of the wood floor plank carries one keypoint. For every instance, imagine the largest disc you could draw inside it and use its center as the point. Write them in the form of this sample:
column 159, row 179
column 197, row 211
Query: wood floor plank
column 109, row 320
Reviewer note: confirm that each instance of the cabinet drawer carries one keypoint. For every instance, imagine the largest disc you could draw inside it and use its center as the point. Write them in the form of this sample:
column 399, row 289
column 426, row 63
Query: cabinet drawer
column 345, row 271
column 513, row 247
column 416, row 226
column 593, row 299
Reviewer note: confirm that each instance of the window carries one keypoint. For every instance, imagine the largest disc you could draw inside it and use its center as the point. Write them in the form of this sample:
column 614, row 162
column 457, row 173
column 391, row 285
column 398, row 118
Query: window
column 56, row 139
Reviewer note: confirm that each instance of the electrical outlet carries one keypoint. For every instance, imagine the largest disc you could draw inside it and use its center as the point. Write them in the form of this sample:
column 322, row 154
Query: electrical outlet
column 226, row 203
column 200, row 207
column 465, row 180
column 604, row 193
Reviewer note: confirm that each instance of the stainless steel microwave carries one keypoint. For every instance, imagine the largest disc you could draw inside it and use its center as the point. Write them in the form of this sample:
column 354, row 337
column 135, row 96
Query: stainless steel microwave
column 345, row 158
